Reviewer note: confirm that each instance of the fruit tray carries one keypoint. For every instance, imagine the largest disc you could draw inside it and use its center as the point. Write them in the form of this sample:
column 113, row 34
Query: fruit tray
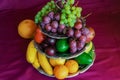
column 61, row 44
column 82, row 68
column 65, row 55
column 60, row 36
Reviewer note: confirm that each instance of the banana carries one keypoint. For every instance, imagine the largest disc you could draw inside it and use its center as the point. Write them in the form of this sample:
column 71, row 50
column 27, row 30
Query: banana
column 45, row 64
column 36, row 63
column 31, row 52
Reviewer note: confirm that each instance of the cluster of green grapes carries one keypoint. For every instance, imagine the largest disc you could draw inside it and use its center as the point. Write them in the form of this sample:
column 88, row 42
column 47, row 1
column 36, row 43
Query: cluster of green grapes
column 50, row 6
column 70, row 13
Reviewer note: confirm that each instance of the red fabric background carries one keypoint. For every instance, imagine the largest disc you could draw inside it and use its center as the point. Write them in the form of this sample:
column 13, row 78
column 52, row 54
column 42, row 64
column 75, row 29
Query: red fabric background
column 105, row 20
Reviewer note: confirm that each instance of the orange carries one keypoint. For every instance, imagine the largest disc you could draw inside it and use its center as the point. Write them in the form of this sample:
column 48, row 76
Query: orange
column 72, row 66
column 60, row 71
column 27, row 28
column 57, row 61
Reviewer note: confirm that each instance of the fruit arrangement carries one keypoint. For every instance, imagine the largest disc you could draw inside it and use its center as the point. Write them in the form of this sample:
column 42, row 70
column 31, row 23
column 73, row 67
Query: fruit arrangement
column 61, row 44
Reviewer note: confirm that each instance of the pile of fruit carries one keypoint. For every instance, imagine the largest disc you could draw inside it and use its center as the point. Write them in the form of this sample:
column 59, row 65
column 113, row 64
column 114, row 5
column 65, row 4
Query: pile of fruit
column 62, row 43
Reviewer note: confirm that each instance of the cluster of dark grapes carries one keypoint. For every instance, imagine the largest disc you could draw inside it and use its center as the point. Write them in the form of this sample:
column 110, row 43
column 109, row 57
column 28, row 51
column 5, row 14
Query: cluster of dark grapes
column 50, row 23
column 48, row 46
column 77, row 36
column 50, row 6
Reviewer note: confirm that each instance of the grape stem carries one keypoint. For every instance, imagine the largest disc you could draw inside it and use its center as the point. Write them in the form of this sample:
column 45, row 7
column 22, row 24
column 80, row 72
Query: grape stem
column 76, row 3
column 87, row 16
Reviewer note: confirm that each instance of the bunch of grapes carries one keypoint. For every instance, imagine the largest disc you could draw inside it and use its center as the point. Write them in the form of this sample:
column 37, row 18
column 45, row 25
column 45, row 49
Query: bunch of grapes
column 50, row 6
column 50, row 23
column 77, row 37
column 48, row 46
column 70, row 13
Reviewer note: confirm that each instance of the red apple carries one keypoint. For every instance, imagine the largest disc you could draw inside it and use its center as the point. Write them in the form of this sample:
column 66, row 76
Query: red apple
column 91, row 35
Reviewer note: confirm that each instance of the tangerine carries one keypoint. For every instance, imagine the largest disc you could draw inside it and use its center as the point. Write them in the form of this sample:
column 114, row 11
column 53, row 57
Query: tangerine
column 72, row 66
column 27, row 28
column 60, row 71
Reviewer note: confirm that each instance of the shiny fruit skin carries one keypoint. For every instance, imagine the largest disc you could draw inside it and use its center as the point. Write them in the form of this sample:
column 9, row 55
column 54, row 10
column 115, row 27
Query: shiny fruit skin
column 72, row 66
column 50, row 51
column 84, row 59
column 60, row 71
column 91, row 35
column 31, row 52
column 39, row 37
column 62, row 45
column 26, row 28
column 57, row 61
column 43, row 61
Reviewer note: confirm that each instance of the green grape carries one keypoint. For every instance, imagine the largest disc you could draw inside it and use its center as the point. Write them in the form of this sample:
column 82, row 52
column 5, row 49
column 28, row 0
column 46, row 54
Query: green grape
column 63, row 16
column 74, row 12
column 36, row 20
column 61, row 22
column 65, row 21
column 71, row 24
column 79, row 15
column 73, row 8
column 69, row 20
column 67, row 7
column 68, row 11
column 63, row 11
column 71, row 1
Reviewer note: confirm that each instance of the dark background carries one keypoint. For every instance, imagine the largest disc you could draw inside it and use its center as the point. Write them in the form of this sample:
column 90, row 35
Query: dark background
column 105, row 19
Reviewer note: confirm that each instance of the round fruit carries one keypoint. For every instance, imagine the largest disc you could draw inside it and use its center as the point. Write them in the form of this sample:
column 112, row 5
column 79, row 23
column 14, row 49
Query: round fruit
column 91, row 34
column 39, row 37
column 26, row 28
column 84, row 59
column 58, row 61
column 72, row 66
column 62, row 45
column 51, row 41
column 60, row 71
column 50, row 51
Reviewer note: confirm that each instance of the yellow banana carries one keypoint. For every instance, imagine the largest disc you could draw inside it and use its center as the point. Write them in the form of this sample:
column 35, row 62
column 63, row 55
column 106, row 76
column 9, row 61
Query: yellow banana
column 36, row 63
column 45, row 64
column 31, row 52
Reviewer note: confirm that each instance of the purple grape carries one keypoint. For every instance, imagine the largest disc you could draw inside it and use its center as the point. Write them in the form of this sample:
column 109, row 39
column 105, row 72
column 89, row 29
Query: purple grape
column 42, row 24
column 70, row 32
column 51, row 15
column 78, row 25
column 57, row 16
column 85, row 31
column 48, row 27
column 60, row 4
column 61, row 26
column 51, row 41
column 73, row 50
column 46, row 19
column 72, row 44
column 44, row 45
column 50, row 51
column 54, row 24
column 80, row 45
column 77, row 34
column 53, row 30
column 82, row 38
column 60, row 30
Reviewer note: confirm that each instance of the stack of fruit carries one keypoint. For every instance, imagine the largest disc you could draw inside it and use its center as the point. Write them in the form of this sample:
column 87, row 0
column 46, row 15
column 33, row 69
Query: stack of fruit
column 62, row 45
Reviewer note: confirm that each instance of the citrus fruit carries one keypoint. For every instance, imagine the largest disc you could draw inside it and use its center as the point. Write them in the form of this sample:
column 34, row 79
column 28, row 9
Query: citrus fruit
column 26, row 28
column 60, row 71
column 57, row 61
column 72, row 66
